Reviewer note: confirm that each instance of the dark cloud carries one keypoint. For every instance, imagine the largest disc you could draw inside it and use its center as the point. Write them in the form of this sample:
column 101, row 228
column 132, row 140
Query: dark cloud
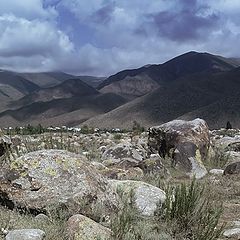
column 184, row 25
column 104, row 14
column 189, row 21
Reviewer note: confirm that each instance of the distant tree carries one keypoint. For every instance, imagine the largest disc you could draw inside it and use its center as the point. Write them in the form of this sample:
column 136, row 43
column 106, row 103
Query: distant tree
column 229, row 125
column 39, row 129
column 17, row 130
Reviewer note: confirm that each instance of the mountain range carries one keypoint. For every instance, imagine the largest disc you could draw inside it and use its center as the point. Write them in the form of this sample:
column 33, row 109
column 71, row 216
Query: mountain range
column 188, row 86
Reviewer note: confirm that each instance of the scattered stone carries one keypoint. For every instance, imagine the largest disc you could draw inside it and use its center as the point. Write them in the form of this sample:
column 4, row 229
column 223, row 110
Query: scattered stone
column 146, row 196
column 42, row 218
column 26, row 234
column 80, row 227
column 124, row 150
column 154, row 165
column 232, row 233
column 185, row 142
column 233, row 168
column 131, row 173
column 216, row 171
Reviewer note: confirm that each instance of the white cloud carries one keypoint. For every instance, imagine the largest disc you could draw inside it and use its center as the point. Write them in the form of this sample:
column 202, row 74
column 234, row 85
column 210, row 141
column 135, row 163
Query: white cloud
column 123, row 34
column 33, row 44
column 29, row 9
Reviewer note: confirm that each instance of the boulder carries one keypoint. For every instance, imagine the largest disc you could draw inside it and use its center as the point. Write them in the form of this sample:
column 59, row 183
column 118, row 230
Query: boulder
column 185, row 142
column 233, row 168
column 56, row 179
column 146, row 197
column 124, row 150
column 80, row 227
column 26, row 234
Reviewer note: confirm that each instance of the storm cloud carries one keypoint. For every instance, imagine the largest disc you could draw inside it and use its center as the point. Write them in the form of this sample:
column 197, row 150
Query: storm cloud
column 101, row 37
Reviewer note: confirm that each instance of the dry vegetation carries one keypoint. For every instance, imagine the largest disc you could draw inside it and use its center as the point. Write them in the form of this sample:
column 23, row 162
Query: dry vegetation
column 194, row 210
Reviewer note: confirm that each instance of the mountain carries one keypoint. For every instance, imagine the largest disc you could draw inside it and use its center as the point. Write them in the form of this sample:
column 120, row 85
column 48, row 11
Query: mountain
column 138, row 82
column 49, row 79
column 69, row 111
column 70, row 102
column 219, row 112
column 66, row 89
column 92, row 81
column 13, row 87
column 46, row 79
column 196, row 95
column 188, row 86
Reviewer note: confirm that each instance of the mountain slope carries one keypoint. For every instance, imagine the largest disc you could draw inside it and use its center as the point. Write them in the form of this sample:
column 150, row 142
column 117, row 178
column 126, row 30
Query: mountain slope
column 60, row 110
column 13, row 87
column 46, row 79
column 137, row 82
column 180, row 97
column 92, row 81
column 219, row 112
column 67, row 89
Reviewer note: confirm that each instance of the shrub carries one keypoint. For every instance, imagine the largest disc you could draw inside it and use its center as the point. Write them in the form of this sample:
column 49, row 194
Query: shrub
column 137, row 128
column 190, row 213
column 117, row 136
column 122, row 222
column 219, row 158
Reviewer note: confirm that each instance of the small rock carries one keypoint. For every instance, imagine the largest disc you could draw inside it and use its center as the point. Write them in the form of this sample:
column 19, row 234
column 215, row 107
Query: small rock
column 236, row 223
column 80, row 227
column 42, row 218
column 232, row 233
column 216, row 171
column 124, row 150
column 26, row 234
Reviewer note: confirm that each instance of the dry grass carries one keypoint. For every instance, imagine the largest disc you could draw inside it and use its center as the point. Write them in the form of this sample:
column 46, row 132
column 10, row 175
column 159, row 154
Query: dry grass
column 10, row 220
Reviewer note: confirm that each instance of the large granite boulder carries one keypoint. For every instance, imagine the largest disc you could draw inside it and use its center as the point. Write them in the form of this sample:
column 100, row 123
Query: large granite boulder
column 80, row 227
column 185, row 142
column 51, row 179
column 146, row 197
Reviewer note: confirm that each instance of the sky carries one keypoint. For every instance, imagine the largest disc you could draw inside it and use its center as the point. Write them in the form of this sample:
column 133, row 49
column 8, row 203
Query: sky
column 102, row 37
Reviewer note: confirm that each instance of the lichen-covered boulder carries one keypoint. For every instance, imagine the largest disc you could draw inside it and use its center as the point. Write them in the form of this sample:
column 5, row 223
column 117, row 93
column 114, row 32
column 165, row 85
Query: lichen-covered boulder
column 56, row 178
column 26, row 234
column 146, row 197
column 185, row 142
column 80, row 227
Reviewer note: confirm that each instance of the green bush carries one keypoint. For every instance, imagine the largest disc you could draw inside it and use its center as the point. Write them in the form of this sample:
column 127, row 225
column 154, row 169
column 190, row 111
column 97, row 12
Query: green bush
column 117, row 136
column 190, row 214
column 137, row 128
